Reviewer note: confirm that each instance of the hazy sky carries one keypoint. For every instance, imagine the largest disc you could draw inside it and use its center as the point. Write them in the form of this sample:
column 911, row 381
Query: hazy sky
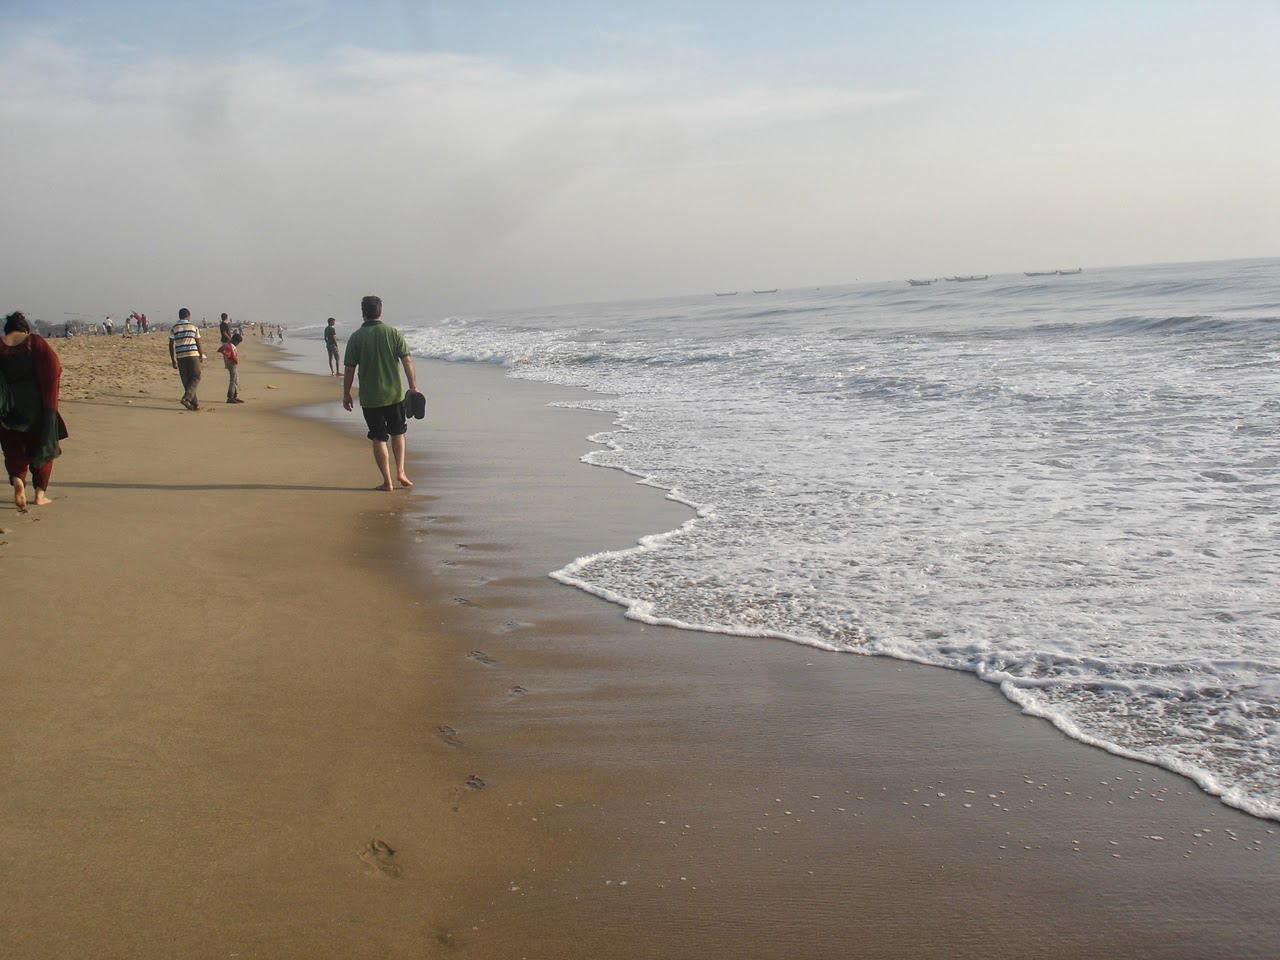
column 280, row 159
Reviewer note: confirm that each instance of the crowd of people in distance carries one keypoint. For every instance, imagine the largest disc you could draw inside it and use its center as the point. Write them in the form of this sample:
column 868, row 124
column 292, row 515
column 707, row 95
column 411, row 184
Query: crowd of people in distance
column 135, row 324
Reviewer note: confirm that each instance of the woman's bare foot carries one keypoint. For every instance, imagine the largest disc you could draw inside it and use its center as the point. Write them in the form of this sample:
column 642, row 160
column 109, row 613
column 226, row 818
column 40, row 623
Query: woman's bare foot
column 42, row 498
column 383, row 487
column 404, row 481
column 19, row 494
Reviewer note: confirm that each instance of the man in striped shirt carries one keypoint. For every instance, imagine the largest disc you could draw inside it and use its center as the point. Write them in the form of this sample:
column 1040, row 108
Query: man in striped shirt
column 187, row 355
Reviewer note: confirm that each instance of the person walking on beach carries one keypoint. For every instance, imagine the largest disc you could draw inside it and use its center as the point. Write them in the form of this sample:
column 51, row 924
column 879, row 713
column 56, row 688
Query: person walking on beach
column 231, row 356
column 30, row 426
column 331, row 346
column 378, row 351
column 224, row 329
column 186, row 354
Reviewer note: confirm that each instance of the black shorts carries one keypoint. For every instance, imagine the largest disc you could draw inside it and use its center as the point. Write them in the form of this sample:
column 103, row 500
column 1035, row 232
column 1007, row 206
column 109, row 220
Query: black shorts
column 332, row 348
column 385, row 422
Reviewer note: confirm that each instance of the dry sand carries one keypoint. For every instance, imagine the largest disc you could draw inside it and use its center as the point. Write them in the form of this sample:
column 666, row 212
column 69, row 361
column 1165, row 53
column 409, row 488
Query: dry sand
column 251, row 708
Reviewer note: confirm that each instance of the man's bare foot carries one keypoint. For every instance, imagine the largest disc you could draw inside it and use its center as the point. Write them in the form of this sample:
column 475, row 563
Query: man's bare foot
column 19, row 494
column 404, row 481
column 384, row 487
column 42, row 498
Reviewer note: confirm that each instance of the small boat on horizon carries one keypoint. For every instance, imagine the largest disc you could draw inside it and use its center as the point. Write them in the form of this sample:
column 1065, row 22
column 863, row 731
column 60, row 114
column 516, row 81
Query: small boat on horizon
column 730, row 293
column 985, row 276
column 774, row 290
column 1069, row 273
column 1039, row 273
column 919, row 283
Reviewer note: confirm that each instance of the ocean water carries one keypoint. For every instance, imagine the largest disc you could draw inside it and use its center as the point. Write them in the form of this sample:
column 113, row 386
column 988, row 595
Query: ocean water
column 1068, row 485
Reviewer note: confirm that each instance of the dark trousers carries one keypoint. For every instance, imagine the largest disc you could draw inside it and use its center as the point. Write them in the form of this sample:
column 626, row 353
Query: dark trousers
column 189, row 371
column 20, row 448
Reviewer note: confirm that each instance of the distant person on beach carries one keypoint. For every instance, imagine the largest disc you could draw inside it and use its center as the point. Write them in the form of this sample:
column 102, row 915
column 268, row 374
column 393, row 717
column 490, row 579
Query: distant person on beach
column 331, row 345
column 231, row 356
column 224, row 329
column 378, row 351
column 186, row 354
column 30, row 426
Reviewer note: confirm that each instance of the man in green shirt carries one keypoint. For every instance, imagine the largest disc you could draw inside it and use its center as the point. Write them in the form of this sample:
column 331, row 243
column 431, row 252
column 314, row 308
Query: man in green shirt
column 378, row 350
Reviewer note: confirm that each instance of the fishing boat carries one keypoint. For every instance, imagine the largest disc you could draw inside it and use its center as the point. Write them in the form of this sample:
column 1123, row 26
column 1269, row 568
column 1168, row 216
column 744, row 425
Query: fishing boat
column 1069, row 273
column 919, row 283
column 730, row 293
column 1039, row 273
column 774, row 290
column 985, row 276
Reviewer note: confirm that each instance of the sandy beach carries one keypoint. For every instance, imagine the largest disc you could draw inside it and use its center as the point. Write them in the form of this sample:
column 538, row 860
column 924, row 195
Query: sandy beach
column 251, row 708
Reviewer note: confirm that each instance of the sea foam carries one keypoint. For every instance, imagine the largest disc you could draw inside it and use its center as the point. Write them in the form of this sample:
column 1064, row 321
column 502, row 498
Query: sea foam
column 1062, row 485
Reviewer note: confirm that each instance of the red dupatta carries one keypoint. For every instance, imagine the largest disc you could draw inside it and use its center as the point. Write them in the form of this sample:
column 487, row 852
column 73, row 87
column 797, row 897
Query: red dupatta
column 48, row 368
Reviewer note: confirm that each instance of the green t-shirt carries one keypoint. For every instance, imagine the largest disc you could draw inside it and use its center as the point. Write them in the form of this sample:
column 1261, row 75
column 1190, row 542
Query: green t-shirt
column 375, row 351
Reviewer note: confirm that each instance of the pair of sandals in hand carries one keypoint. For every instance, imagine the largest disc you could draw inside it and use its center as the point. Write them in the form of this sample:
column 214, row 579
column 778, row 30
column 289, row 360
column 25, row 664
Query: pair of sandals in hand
column 415, row 405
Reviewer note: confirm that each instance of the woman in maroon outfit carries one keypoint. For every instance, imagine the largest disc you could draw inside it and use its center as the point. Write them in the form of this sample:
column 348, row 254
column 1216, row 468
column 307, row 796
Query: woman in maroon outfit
column 30, row 425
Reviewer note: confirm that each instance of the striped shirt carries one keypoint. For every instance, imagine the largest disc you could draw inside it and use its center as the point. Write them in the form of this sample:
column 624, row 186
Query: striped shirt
column 186, row 339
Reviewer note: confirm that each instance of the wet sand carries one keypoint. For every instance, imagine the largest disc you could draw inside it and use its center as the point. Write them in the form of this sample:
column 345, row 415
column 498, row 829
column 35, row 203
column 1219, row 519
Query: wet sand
column 252, row 708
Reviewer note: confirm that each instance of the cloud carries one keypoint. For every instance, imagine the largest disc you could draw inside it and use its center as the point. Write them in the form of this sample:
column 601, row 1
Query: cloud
column 414, row 170
column 263, row 184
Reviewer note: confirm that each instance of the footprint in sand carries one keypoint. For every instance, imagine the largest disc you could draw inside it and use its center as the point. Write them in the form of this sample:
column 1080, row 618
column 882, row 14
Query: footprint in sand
column 479, row 656
column 448, row 736
column 379, row 856
column 518, row 691
column 463, row 602
column 475, row 783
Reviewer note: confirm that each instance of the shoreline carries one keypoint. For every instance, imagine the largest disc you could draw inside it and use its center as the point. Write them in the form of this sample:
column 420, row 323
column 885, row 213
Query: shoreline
column 582, row 668
column 645, row 791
